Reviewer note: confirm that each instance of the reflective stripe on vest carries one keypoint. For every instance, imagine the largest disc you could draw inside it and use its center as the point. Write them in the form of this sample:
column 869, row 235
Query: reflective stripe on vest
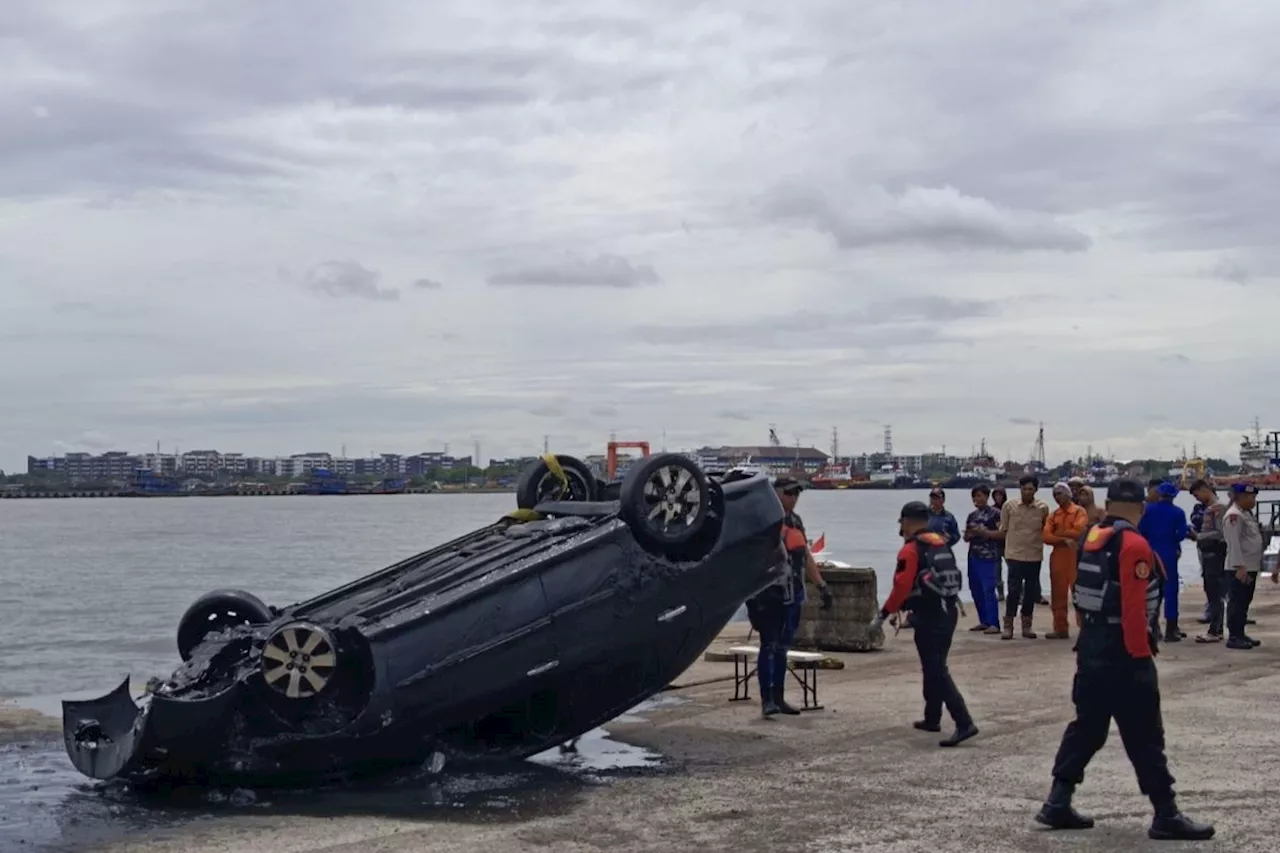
column 1097, row 587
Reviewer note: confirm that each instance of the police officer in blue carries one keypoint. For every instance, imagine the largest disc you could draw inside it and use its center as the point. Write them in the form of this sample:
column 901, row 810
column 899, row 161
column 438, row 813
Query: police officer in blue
column 1118, row 592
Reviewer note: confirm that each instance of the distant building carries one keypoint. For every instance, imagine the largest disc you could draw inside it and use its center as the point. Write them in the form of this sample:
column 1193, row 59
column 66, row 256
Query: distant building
column 777, row 460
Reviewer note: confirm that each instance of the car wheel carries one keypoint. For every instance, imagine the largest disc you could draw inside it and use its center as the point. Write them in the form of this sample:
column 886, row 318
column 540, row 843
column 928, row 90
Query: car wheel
column 665, row 499
column 217, row 611
column 299, row 660
column 539, row 483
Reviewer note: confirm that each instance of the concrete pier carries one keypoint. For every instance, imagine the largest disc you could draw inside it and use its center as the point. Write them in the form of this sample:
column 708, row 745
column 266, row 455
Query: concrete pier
column 856, row 777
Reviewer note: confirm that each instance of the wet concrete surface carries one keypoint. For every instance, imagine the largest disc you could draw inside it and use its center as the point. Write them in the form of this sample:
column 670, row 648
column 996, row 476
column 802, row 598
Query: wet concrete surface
column 45, row 804
column 852, row 777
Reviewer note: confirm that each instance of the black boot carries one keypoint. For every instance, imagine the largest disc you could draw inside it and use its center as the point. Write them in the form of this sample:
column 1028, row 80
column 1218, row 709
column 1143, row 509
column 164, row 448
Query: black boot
column 783, row 707
column 1169, row 824
column 1171, row 632
column 768, row 704
column 1057, row 813
column 926, row 726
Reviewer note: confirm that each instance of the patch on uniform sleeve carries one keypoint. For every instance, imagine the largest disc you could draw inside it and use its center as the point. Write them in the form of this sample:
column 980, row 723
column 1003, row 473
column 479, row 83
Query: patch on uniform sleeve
column 1142, row 570
column 1233, row 518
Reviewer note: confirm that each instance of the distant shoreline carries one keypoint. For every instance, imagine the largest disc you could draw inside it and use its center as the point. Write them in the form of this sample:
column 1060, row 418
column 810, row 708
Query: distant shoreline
column 274, row 493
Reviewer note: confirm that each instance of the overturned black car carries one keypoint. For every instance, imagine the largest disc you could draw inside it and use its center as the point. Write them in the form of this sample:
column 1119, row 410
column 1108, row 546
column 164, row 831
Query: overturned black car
column 588, row 599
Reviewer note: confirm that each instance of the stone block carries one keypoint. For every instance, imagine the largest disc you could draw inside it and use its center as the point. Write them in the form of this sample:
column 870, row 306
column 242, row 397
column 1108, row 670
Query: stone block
column 843, row 628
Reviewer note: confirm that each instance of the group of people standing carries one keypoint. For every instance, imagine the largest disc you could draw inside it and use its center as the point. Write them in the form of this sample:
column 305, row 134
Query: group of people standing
column 1116, row 566
column 1116, row 581
column 1013, row 534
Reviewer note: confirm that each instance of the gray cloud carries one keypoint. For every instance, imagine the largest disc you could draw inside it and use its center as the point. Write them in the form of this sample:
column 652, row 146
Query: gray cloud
column 916, row 322
column 575, row 271
column 1228, row 269
column 859, row 209
column 348, row 280
column 427, row 284
column 941, row 217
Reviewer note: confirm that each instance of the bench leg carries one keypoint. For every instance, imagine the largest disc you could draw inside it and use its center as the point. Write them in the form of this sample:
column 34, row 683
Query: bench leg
column 808, row 678
column 742, row 672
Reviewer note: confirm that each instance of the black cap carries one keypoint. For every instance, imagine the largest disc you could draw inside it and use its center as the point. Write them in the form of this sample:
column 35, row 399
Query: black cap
column 787, row 484
column 914, row 510
column 1127, row 491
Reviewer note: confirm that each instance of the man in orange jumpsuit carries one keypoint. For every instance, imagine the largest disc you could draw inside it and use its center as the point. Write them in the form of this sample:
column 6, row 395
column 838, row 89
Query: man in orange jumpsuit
column 1063, row 530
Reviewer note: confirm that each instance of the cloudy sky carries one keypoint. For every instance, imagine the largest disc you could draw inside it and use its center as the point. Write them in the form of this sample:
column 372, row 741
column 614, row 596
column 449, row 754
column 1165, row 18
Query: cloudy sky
column 286, row 226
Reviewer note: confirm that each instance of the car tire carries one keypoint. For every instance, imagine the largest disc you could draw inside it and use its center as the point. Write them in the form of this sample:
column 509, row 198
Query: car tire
column 216, row 611
column 538, row 484
column 665, row 500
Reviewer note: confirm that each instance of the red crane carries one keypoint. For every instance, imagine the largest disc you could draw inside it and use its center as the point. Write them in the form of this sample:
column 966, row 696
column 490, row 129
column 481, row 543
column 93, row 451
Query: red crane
column 614, row 446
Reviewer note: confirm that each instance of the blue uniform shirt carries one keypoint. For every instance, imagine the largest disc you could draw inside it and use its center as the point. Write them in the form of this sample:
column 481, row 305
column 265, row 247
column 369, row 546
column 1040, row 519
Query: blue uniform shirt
column 945, row 524
column 1164, row 525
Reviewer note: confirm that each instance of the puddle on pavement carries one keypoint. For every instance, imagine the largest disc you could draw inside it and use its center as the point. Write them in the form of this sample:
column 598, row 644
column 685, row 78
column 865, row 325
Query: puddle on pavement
column 46, row 803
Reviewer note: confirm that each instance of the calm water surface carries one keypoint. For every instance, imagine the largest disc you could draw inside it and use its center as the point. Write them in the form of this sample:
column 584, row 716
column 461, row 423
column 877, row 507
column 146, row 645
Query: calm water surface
column 92, row 589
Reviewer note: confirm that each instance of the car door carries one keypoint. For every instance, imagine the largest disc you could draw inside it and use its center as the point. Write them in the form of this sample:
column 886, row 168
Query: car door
column 616, row 611
column 470, row 654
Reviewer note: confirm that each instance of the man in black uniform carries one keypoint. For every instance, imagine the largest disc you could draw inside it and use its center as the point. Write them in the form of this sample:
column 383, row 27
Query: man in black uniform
column 927, row 582
column 1118, row 592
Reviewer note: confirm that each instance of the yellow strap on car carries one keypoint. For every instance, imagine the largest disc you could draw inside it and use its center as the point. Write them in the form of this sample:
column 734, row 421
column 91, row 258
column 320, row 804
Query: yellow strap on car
column 523, row 515
column 553, row 465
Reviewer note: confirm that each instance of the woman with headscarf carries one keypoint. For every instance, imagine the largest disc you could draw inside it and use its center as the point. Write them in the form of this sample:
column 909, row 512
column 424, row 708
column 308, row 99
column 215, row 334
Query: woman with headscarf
column 998, row 498
column 1090, row 504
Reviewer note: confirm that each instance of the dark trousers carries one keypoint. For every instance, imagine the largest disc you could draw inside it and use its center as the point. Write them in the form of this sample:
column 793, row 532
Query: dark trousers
column 1024, row 588
column 1128, row 693
column 1215, row 587
column 933, row 633
column 1239, row 597
column 769, row 617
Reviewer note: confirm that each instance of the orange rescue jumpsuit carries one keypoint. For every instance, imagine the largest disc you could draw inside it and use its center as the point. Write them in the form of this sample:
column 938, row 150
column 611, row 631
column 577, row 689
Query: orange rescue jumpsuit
column 1063, row 529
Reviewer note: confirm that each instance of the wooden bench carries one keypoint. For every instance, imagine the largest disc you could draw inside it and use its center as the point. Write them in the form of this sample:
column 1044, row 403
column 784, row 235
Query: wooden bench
column 803, row 667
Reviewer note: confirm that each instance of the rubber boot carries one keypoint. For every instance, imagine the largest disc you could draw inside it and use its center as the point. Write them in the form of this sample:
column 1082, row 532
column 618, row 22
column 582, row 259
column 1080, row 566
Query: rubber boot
column 783, row 707
column 1171, row 632
column 1170, row 824
column 1008, row 628
column 768, row 701
column 1026, row 628
column 1057, row 812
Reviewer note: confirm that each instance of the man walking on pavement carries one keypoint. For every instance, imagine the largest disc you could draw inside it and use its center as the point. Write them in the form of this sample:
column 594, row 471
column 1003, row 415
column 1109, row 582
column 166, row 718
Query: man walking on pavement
column 940, row 520
column 927, row 582
column 1212, row 550
column 1164, row 525
column 1245, row 546
column 1022, row 530
column 1117, row 595
column 1062, row 530
column 984, row 558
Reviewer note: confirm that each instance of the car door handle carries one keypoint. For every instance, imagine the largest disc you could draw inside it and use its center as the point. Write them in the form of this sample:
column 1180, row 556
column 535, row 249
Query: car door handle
column 672, row 613
column 546, row 667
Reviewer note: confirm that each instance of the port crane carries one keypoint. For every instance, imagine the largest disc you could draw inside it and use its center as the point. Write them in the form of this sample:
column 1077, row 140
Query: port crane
column 612, row 452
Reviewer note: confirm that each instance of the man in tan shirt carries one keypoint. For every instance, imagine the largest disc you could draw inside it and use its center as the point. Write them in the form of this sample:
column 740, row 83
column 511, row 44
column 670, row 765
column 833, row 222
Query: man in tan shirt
column 1022, row 530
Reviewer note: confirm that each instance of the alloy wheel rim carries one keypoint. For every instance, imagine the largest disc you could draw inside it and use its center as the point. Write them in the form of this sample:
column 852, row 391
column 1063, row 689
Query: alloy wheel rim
column 673, row 498
column 298, row 660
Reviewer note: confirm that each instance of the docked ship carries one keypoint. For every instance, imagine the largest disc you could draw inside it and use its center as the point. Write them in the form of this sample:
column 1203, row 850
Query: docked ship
column 1259, row 460
column 981, row 468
